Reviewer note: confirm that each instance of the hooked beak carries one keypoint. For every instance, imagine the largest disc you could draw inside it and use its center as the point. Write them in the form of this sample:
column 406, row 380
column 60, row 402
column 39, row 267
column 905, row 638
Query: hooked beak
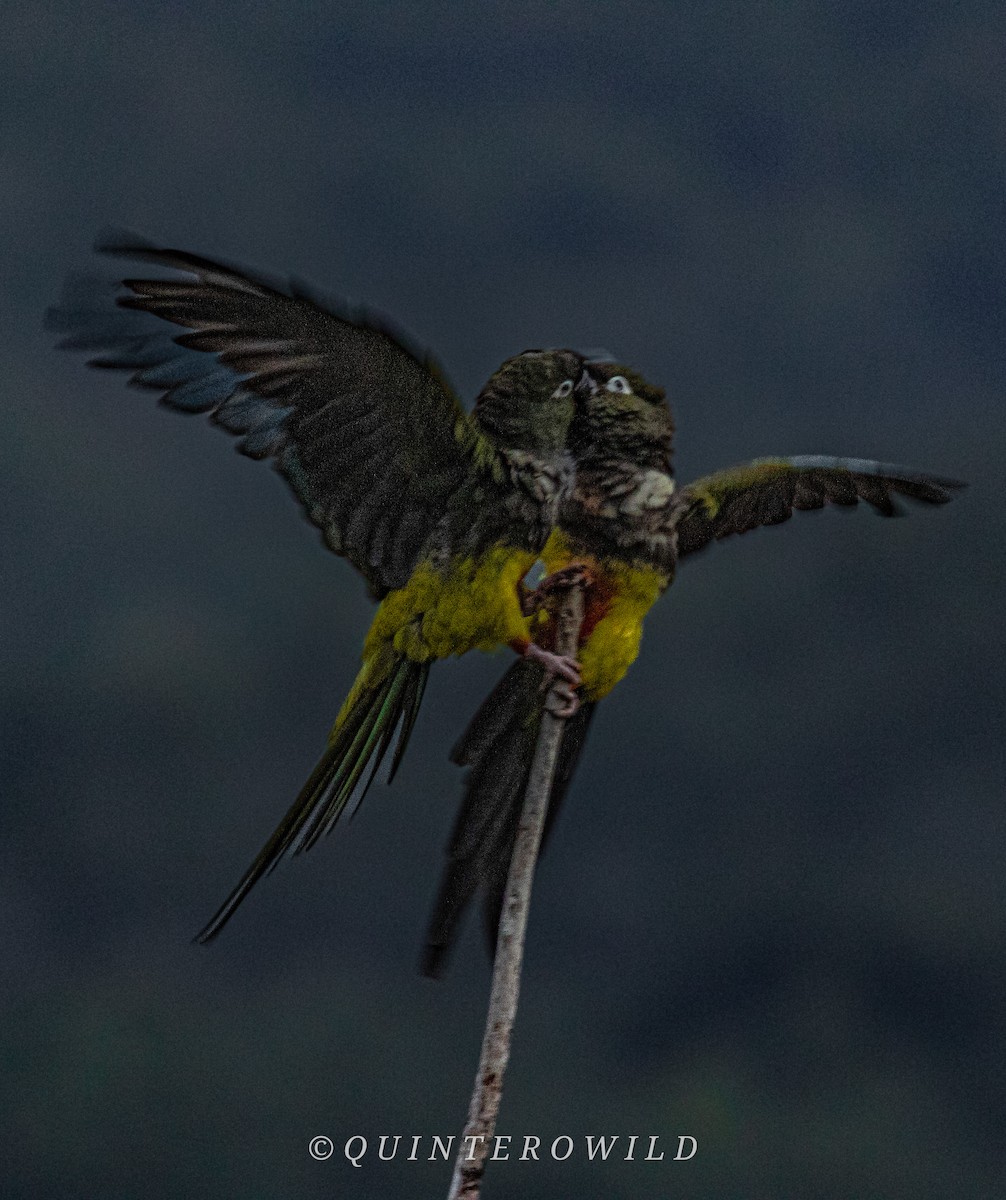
column 585, row 386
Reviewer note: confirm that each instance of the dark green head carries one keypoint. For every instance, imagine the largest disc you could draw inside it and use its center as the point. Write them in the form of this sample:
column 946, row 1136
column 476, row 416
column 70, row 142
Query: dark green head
column 620, row 415
column 528, row 403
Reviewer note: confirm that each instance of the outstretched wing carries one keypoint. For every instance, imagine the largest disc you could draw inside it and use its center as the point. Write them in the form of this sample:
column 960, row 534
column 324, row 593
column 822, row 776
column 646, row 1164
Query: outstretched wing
column 364, row 427
column 766, row 491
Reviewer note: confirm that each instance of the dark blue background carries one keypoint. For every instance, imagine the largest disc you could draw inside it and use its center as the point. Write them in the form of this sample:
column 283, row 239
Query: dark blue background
column 773, row 916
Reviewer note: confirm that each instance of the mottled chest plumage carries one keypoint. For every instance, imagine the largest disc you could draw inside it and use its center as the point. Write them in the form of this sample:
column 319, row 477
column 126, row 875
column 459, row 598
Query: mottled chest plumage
column 517, row 505
column 618, row 510
column 616, row 522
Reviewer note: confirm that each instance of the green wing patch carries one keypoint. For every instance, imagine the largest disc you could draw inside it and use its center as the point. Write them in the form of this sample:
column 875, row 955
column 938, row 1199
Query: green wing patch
column 768, row 490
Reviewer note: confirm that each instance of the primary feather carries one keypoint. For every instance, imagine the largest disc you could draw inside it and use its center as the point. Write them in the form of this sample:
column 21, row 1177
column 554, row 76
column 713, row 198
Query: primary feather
column 361, row 424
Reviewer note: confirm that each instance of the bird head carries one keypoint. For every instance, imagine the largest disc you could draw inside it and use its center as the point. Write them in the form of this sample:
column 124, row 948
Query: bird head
column 620, row 415
column 528, row 403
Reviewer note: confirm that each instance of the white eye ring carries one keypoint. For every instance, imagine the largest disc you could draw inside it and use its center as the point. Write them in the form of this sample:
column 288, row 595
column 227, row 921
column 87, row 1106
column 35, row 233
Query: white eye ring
column 563, row 390
column 618, row 383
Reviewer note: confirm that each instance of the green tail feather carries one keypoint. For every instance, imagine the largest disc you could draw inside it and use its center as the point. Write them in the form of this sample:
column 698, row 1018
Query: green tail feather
column 361, row 740
column 413, row 697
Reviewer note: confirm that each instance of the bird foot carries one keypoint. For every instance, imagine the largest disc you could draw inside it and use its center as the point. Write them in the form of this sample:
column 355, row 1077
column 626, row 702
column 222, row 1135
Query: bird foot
column 557, row 666
column 576, row 575
column 562, row 676
column 534, row 599
column 562, row 701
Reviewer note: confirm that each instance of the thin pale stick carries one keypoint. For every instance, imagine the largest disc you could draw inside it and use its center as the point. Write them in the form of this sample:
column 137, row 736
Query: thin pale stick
column 470, row 1165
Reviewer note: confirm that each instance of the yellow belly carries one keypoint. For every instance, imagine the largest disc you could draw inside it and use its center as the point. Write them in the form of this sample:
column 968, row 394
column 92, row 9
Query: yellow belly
column 621, row 596
column 473, row 604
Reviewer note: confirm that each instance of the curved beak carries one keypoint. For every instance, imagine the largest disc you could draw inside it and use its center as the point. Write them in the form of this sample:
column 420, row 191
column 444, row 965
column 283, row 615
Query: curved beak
column 585, row 385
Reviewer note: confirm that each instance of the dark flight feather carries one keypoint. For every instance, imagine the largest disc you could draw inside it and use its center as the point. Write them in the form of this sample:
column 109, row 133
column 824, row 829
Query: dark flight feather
column 352, row 414
column 498, row 748
column 767, row 491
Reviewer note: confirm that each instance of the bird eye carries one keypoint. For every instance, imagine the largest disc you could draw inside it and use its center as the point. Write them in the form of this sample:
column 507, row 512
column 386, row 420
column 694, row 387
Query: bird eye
column 563, row 390
column 618, row 383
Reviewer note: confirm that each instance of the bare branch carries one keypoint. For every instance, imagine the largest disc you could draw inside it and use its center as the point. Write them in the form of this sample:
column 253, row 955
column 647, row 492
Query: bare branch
column 476, row 1140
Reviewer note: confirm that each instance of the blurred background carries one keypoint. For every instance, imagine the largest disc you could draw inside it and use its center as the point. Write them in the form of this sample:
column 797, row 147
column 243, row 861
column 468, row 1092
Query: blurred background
column 773, row 915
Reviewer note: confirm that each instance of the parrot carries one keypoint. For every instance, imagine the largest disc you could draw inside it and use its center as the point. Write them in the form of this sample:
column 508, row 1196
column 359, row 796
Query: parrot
column 620, row 534
column 442, row 511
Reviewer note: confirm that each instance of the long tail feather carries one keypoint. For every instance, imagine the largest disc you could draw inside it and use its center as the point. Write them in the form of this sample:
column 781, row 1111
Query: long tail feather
column 415, row 688
column 351, row 766
column 574, row 735
column 361, row 741
column 498, row 747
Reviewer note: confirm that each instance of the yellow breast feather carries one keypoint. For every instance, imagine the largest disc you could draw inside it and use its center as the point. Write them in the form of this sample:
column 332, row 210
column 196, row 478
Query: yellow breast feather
column 612, row 645
column 615, row 604
column 471, row 604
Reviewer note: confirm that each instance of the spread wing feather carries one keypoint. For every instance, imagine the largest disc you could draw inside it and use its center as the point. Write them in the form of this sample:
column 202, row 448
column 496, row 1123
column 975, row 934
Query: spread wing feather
column 363, row 426
column 768, row 490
